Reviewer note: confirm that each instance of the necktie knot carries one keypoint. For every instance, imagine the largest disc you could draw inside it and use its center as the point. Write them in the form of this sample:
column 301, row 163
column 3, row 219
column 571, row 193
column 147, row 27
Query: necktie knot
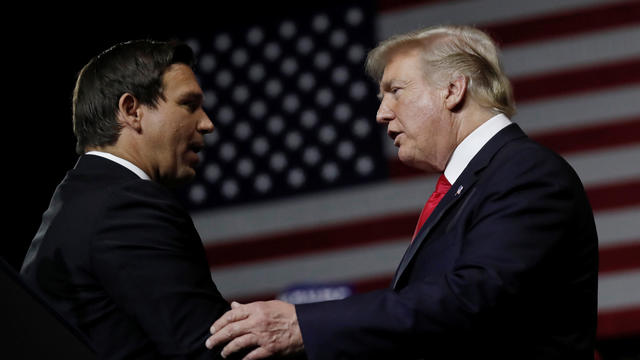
column 442, row 186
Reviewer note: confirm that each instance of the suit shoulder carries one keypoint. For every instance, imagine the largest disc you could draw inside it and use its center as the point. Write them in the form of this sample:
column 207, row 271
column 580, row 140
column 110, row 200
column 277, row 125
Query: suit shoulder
column 526, row 153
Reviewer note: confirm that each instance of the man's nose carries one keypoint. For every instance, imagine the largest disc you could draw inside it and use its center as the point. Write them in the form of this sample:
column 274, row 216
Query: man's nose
column 205, row 125
column 384, row 114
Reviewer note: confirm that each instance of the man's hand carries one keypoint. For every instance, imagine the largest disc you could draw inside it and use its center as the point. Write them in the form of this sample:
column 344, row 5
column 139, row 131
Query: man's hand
column 271, row 328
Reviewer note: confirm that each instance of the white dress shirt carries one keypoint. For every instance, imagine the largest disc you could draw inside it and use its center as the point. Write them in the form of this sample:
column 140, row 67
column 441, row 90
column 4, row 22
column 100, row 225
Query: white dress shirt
column 129, row 165
column 472, row 144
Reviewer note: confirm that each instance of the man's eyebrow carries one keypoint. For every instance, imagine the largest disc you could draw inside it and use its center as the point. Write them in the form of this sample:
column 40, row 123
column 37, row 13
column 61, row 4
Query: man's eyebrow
column 387, row 84
column 191, row 96
column 383, row 85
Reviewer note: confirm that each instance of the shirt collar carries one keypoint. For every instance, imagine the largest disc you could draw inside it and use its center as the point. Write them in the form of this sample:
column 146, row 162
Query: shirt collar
column 472, row 144
column 129, row 165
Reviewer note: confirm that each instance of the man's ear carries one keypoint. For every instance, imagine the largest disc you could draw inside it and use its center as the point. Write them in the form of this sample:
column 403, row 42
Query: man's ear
column 456, row 92
column 129, row 112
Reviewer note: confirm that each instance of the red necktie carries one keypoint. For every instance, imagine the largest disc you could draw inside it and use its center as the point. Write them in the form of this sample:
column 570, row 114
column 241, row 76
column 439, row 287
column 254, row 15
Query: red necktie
column 441, row 188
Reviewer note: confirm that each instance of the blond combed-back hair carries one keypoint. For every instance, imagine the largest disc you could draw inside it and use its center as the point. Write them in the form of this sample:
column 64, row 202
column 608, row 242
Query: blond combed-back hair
column 448, row 51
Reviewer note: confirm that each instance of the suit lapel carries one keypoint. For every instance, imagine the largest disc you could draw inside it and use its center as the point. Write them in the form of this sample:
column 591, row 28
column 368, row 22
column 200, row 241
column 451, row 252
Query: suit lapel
column 458, row 190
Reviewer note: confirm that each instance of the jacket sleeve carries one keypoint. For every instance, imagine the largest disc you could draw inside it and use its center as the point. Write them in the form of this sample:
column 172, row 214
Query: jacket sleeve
column 149, row 258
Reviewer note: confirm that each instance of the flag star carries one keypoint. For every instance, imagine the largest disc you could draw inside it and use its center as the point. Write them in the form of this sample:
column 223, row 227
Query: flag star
column 263, row 183
column 224, row 78
column 287, row 29
column 256, row 72
column 324, row 97
column 212, row 173
column 338, row 38
column 255, row 35
column 227, row 151
column 320, row 23
column 322, row 60
column 330, row 172
column 278, row 161
column 306, row 81
column 260, row 146
column 198, row 193
column 230, row 188
column 364, row 165
column 304, row 45
column 342, row 112
column 223, row 42
column 354, row 16
column 296, row 177
column 207, row 63
column 225, row 115
column 275, row 124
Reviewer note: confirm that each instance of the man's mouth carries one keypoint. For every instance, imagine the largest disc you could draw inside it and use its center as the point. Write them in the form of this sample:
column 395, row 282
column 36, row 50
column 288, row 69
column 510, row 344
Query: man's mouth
column 196, row 147
column 394, row 136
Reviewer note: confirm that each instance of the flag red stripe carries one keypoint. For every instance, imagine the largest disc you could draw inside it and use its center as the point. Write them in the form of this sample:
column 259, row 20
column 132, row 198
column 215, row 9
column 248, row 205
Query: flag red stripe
column 620, row 257
column 577, row 80
column 622, row 322
column 614, row 196
column 564, row 23
column 367, row 232
column 572, row 140
column 313, row 240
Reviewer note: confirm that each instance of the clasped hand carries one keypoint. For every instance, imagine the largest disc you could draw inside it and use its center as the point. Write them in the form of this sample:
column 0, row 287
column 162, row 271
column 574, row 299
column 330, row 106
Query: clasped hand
column 270, row 328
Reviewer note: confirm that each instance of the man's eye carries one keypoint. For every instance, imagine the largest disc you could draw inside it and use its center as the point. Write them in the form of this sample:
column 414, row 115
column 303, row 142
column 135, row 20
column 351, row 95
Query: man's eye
column 192, row 106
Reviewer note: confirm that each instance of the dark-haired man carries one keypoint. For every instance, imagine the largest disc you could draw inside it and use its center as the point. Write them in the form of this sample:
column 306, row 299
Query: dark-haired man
column 116, row 254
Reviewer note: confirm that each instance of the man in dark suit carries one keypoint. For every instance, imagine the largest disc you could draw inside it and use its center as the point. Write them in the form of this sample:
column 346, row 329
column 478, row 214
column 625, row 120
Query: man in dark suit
column 504, row 267
column 116, row 254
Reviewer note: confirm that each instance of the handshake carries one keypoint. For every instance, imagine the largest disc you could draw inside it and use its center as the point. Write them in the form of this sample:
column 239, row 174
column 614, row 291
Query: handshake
column 265, row 328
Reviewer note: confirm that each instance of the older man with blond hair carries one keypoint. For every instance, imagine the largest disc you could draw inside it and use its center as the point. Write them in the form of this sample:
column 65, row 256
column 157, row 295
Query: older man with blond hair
column 503, row 261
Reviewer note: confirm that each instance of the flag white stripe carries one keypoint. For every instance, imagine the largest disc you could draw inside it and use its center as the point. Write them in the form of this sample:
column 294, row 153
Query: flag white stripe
column 618, row 227
column 334, row 266
column 472, row 12
column 572, row 52
column 604, row 165
column 619, row 290
column 593, row 108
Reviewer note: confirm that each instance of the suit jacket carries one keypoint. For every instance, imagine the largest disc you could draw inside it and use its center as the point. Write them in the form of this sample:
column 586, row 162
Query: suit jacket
column 120, row 259
column 504, row 268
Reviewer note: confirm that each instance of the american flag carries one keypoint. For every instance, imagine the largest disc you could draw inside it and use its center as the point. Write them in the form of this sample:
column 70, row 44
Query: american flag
column 300, row 186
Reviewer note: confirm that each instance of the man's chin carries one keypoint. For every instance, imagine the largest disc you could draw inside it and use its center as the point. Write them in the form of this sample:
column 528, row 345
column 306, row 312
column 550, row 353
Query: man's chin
column 418, row 165
column 181, row 179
